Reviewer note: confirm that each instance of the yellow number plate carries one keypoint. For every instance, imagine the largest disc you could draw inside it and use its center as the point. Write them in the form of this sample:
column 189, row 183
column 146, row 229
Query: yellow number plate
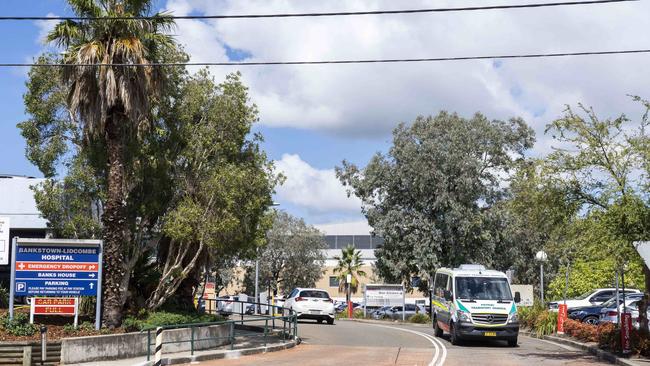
column 490, row 334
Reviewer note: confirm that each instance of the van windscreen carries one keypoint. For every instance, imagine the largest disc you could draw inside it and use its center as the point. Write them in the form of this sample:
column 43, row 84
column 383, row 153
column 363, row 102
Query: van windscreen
column 483, row 288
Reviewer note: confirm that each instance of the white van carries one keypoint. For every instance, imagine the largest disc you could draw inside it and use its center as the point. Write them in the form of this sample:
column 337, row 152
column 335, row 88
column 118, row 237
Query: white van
column 471, row 302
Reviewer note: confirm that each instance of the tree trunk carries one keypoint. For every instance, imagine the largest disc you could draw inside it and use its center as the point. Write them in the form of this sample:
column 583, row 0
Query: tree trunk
column 643, row 305
column 115, row 230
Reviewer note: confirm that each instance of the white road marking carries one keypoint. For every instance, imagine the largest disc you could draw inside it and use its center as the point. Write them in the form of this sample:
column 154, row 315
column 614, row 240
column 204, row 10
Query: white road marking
column 437, row 344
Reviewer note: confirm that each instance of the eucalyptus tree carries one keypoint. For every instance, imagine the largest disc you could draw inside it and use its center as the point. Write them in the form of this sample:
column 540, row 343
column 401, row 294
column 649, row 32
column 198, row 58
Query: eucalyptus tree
column 224, row 183
column 112, row 102
column 600, row 163
column 349, row 263
column 292, row 256
column 428, row 197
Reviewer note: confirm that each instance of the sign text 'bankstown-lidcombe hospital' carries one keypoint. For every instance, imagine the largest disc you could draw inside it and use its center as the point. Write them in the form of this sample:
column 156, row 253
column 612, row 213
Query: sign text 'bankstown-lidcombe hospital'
column 56, row 270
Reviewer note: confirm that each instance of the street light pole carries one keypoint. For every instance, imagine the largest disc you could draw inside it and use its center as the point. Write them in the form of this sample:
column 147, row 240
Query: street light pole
column 257, row 284
column 541, row 258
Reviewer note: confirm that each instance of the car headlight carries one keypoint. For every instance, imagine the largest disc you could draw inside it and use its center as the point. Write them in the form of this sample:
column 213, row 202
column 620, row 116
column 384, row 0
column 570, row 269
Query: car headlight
column 463, row 316
column 514, row 318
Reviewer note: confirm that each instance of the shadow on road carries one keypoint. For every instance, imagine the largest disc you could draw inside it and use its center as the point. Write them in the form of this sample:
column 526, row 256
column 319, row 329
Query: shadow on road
column 479, row 343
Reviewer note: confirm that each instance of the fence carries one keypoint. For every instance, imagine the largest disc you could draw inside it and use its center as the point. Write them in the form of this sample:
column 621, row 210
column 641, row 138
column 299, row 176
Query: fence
column 255, row 325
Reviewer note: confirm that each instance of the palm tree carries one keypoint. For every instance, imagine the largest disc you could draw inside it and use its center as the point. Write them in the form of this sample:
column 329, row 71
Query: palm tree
column 112, row 104
column 349, row 263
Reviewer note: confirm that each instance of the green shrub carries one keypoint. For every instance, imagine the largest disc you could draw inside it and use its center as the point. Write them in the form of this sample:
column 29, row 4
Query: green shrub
column 4, row 298
column 162, row 318
column 528, row 315
column 82, row 328
column 420, row 319
column 19, row 326
column 546, row 323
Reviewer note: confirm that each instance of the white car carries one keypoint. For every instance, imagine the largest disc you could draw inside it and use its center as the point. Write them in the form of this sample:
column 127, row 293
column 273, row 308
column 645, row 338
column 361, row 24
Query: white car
column 311, row 303
column 595, row 297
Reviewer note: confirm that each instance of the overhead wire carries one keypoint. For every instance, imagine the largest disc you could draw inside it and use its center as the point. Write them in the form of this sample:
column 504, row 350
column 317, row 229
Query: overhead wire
column 327, row 14
column 330, row 62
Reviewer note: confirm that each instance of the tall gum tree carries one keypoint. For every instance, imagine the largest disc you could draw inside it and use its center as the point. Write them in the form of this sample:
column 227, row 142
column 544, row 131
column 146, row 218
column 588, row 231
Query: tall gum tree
column 429, row 196
column 113, row 105
column 600, row 163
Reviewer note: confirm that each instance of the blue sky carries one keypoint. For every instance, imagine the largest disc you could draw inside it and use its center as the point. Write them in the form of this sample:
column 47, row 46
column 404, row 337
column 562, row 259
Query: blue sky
column 313, row 117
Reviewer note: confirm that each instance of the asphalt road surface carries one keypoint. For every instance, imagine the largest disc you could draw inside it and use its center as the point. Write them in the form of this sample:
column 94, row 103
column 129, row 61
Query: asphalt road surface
column 358, row 344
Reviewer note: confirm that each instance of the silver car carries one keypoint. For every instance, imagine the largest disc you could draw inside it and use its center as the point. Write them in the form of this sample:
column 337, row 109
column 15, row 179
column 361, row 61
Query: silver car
column 609, row 313
column 397, row 313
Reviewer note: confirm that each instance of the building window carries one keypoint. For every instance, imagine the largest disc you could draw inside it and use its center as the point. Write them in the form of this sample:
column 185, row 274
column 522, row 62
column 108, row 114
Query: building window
column 334, row 281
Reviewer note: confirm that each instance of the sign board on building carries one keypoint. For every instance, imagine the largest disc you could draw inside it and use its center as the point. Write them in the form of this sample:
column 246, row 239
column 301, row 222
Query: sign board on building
column 65, row 306
column 4, row 240
column 526, row 293
column 383, row 295
column 56, row 268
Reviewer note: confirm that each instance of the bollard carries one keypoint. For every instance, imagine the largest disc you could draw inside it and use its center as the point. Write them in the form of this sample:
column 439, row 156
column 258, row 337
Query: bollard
column 43, row 344
column 192, row 341
column 148, row 344
column 232, row 335
column 266, row 326
column 158, row 350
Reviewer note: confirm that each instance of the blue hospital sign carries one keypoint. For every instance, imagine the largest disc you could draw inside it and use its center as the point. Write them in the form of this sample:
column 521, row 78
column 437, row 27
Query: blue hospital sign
column 56, row 270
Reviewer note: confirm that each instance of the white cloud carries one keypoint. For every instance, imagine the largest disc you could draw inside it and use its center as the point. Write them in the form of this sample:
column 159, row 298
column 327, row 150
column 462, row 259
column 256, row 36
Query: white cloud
column 44, row 28
column 370, row 99
column 313, row 189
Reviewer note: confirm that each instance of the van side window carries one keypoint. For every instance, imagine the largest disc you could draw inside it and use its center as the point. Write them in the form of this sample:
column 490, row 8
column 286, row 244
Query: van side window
column 441, row 284
column 450, row 287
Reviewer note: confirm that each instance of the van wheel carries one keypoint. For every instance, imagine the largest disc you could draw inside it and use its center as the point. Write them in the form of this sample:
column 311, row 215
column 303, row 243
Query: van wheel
column 453, row 335
column 436, row 328
column 512, row 342
column 330, row 321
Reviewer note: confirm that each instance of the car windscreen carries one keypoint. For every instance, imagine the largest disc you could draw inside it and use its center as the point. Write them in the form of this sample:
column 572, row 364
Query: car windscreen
column 483, row 288
column 316, row 294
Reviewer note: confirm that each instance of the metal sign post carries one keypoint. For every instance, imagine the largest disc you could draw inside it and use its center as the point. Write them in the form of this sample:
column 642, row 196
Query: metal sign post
column 56, row 268
column 403, row 304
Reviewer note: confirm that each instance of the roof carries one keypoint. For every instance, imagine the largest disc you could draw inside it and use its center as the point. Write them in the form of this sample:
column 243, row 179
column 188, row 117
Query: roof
column 18, row 204
column 472, row 272
column 345, row 228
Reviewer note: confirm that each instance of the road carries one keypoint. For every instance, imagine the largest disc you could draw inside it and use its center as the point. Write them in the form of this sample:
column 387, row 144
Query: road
column 359, row 344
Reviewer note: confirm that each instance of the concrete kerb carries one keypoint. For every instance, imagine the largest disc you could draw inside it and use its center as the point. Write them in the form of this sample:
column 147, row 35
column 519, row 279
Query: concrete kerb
column 589, row 348
column 224, row 354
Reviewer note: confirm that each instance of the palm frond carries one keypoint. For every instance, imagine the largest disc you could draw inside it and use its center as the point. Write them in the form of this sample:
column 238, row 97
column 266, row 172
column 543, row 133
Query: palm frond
column 86, row 8
column 65, row 33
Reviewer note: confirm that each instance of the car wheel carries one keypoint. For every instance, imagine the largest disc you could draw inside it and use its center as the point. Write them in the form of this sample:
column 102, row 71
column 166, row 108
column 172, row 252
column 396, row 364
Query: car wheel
column 453, row 335
column 436, row 328
column 512, row 342
column 330, row 321
column 590, row 320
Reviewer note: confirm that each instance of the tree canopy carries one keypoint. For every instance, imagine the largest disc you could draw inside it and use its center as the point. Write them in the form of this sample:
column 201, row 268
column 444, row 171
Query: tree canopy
column 430, row 197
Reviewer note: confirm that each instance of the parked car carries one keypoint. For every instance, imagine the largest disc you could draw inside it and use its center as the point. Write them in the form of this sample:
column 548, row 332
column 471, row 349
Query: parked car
column 344, row 307
column 594, row 297
column 634, row 309
column 225, row 304
column 311, row 303
column 591, row 314
column 377, row 311
column 395, row 312
column 609, row 314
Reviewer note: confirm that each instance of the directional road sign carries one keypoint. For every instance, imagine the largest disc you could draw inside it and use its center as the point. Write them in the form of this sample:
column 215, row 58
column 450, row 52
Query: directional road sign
column 56, row 270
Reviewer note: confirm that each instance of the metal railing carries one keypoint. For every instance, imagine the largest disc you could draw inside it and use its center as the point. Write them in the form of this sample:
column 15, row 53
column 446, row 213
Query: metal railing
column 260, row 326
